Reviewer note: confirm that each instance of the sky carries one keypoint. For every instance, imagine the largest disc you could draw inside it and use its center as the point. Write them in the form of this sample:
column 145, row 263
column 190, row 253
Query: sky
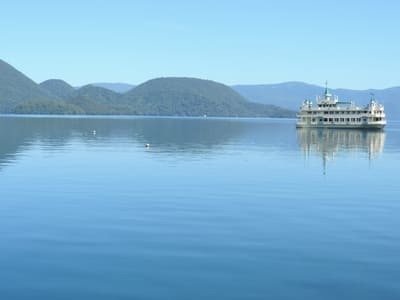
column 352, row 44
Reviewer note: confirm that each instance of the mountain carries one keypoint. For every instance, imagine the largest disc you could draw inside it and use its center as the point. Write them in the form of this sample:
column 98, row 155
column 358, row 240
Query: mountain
column 162, row 96
column 193, row 97
column 48, row 107
column 97, row 100
column 290, row 95
column 390, row 97
column 58, row 88
column 115, row 87
column 171, row 96
column 16, row 88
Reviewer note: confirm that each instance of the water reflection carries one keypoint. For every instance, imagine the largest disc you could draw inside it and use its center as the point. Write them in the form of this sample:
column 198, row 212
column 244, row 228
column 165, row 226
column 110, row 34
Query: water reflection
column 183, row 137
column 176, row 136
column 330, row 142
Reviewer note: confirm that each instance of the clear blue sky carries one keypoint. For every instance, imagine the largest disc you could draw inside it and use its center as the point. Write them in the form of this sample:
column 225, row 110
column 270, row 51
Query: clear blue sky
column 352, row 44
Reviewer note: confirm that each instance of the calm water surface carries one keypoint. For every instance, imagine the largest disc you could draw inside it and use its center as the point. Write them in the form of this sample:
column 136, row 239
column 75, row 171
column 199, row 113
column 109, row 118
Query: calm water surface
column 214, row 209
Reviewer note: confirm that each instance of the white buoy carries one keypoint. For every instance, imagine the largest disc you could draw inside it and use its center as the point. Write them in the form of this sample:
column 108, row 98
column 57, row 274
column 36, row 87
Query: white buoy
column 94, row 132
column 147, row 145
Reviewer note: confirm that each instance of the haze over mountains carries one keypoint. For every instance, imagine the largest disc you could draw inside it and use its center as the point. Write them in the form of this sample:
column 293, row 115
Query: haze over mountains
column 170, row 96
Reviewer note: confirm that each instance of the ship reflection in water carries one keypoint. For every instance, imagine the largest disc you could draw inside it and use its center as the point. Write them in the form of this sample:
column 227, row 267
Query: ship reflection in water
column 330, row 142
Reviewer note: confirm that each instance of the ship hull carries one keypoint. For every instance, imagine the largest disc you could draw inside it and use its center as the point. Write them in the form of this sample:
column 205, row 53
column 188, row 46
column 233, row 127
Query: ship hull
column 345, row 126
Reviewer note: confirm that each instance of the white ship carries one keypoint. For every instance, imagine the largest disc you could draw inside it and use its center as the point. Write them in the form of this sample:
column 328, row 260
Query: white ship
column 329, row 112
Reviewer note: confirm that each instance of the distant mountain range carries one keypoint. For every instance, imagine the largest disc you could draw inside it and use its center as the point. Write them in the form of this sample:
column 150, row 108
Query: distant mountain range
column 115, row 86
column 162, row 96
column 290, row 95
column 171, row 96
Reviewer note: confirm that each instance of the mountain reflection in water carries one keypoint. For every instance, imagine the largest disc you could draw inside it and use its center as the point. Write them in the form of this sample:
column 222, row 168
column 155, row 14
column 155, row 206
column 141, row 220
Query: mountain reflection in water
column 186, row 137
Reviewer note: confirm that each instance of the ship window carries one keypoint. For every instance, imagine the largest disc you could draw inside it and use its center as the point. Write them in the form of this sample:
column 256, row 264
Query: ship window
column 320, row 120
column 313, row 120
column 336, row 120
column 325, row 119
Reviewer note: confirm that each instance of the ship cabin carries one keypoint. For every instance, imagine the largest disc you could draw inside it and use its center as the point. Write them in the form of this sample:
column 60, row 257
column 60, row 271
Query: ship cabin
column 330, row 112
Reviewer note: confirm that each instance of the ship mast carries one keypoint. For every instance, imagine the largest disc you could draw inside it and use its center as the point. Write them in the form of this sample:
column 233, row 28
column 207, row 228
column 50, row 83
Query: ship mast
column 327, row 93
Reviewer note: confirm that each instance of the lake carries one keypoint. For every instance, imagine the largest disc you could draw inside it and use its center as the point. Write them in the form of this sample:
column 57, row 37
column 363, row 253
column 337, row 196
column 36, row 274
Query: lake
column 213, row 209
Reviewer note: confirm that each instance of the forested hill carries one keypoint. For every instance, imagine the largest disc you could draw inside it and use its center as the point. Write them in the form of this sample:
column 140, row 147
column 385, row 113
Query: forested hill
column 59, row 88
column 162, row 96
column 15, row 88
column 194, row 97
